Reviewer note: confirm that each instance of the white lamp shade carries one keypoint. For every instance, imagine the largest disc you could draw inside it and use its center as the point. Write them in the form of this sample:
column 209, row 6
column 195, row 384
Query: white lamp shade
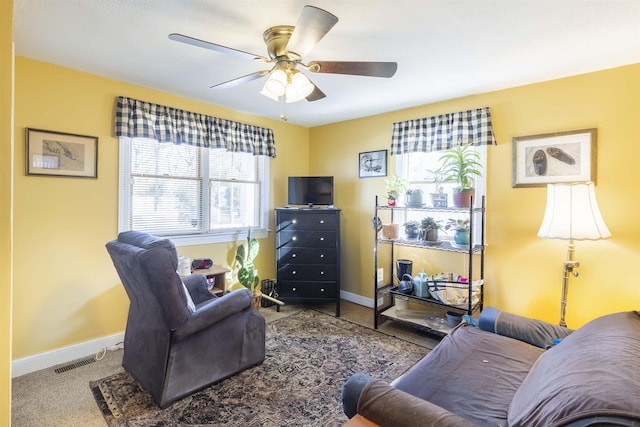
column 572, row 213
column 299, row 88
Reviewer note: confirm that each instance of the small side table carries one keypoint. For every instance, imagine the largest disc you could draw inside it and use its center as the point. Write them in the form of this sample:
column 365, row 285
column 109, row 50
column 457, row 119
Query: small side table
column 218, row 274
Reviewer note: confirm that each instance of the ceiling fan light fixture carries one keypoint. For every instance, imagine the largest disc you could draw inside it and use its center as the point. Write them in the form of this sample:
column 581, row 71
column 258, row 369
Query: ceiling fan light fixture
column 299, row 88
column 276, row 85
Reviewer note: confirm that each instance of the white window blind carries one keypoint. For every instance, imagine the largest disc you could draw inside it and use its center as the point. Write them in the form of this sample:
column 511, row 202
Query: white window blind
column 191, row 194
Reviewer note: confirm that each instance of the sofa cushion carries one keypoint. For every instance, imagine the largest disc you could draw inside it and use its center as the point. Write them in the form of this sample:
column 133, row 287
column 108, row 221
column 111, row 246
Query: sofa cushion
column 467, row 359
column 595, row 371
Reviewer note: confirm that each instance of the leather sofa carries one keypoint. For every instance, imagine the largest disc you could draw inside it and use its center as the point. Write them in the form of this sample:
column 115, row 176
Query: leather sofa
column 179, row 337
column 507, row 370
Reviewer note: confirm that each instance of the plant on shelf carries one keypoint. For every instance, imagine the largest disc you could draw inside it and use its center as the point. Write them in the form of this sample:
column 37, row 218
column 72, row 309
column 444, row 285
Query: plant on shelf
column 394, row 187
column 414, row 198
column 437, row 177
column 430, row 227
column 461, row 227
column 247, row 273
column 461, row 164
column 412, row 230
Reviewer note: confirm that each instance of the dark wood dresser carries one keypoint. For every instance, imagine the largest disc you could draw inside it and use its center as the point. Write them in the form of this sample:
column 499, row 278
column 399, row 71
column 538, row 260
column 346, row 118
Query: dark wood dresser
column 308, row 255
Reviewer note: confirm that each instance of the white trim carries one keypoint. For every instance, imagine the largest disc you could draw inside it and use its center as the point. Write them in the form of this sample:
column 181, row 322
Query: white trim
column 51, row 358
column 356, row 299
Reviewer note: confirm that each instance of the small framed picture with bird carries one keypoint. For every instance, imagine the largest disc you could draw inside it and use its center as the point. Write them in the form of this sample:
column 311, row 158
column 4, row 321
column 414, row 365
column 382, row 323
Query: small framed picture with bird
column 61, row 154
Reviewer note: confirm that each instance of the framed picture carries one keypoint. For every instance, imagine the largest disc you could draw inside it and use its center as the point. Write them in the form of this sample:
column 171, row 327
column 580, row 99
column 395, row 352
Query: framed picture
column 373, row 163
column 61, row 154
column 539, row 160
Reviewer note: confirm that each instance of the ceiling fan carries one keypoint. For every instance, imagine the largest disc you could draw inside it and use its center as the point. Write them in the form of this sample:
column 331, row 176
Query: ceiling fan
column 287, row 46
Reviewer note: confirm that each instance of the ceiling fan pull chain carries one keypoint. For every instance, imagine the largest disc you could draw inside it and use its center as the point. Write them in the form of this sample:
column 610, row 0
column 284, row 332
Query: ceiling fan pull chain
column 283, row 108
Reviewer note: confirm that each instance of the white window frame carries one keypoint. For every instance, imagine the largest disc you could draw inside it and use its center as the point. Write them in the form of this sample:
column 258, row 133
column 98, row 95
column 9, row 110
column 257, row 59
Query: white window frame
column 213, row 235
column 480, row 185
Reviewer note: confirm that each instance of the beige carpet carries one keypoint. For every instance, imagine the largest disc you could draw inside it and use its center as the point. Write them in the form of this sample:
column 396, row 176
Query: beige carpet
column 48, row 399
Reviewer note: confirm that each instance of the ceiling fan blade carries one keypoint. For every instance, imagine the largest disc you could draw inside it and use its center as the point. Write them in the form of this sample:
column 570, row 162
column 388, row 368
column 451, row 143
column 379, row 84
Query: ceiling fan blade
column 238, row 81
column 316, row 95
column 311, row 27
column 372, row 69
column 212, row 46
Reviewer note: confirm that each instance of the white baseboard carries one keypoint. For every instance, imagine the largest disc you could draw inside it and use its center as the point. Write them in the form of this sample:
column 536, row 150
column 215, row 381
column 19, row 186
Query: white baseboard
column 59, row 356
column 51, row 358
column 356, row 299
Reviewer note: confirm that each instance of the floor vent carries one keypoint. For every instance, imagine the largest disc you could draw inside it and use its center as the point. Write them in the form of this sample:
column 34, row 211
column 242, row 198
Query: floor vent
column 75, row 365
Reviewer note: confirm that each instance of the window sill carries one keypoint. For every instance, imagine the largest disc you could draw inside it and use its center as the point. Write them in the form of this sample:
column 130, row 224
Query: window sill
column 222, row 237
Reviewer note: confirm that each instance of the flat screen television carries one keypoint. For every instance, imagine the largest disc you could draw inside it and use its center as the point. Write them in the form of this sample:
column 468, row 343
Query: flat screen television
column 310, row 190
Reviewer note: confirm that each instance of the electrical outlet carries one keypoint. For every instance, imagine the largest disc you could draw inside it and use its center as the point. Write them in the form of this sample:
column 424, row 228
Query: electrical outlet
column 380, row 277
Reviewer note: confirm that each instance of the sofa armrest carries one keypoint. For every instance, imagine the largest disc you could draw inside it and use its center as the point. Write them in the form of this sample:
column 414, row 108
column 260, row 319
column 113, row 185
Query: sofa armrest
column 388, row 406
column 214, row 311
column 535, row 332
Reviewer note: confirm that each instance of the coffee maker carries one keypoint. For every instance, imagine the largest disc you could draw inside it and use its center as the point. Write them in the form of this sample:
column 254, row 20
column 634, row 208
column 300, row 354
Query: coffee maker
column 403, row 274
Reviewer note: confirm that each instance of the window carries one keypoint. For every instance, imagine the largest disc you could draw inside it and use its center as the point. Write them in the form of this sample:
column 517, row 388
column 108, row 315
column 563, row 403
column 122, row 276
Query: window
column 414, row 169
column 190, row 194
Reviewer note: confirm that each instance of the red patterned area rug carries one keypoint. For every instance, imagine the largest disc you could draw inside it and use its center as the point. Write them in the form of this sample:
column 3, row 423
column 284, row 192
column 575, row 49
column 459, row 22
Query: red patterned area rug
column 309, row 356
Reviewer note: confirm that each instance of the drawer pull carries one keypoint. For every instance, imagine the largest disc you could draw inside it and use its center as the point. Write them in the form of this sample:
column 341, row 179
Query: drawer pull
column 294, row 272
column 293, row 255
column 294, row 238
column 322, row 221
column 294, row 221
column 321, row 289
column 321, row 255
column 322, row 273
column 321, row 239
column 293, row 289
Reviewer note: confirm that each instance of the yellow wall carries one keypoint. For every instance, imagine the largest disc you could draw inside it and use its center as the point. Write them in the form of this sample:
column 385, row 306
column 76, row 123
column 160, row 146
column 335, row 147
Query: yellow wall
column 65, row 289
column 523, row 272
column 6, row 210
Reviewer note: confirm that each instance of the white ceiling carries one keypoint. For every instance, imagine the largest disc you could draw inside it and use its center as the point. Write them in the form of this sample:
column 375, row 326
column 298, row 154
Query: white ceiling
column 444, row 48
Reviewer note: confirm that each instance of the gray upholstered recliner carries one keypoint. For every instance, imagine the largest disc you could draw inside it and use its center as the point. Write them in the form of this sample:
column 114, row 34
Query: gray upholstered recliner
column 169, row 348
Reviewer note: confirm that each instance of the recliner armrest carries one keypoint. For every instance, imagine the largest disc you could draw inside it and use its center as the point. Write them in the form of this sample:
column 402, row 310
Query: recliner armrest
column 388, row 406
column 214, row 311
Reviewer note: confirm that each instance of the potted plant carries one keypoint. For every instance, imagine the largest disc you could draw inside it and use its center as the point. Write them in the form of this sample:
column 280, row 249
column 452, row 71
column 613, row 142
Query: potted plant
column 394, row 186
column 461, row 227
column 439, row 198
column 414, row 198
column 461, row 164
column 430, row 227
column 412, row 230
column 247, row 273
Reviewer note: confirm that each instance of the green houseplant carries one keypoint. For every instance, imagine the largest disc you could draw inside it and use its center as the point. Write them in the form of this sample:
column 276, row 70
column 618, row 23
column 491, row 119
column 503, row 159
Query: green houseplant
column 461, row 227
column 394, row 187
column 412, row 230
column 247, row 273
column 461, row 164
column 430, row 227
column 439, row 198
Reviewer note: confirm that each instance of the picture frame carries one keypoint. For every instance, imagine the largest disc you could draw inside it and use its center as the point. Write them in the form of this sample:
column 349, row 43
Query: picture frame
column 51, row 153
column 372, row 164
column 549, row 158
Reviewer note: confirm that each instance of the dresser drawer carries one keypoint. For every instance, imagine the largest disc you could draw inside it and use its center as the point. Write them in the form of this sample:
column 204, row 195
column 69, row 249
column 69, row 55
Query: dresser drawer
column 311, row 239
column 297, row 255
column 296, row 220
column 294, row 290
column 307, row 272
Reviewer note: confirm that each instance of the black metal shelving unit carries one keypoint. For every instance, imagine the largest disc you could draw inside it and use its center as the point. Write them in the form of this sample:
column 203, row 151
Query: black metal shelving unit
column 385, row 296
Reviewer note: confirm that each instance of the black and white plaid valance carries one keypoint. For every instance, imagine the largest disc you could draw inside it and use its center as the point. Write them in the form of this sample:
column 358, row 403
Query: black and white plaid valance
column 139, row 119
column 443, row 132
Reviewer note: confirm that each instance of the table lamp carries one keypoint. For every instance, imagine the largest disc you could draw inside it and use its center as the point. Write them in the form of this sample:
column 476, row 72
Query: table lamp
column 572, row 213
